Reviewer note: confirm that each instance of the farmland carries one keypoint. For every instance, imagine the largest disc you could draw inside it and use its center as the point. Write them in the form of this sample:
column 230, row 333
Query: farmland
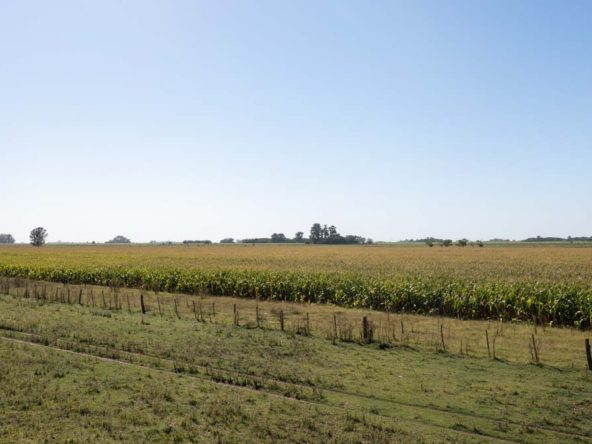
column 97, row 369
column 153, row 343
column 543, row 284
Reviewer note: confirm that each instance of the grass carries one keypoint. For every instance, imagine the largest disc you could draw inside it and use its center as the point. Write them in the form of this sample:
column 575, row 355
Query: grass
column 171, row 379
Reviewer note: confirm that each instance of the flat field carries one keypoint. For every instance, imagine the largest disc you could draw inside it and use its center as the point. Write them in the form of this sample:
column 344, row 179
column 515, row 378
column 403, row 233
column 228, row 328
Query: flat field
column 545, row 284
column 74, row 372
column 146, row 343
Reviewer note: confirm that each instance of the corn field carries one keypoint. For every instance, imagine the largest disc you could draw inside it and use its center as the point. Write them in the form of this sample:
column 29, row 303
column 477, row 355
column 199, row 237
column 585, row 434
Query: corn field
column 488, row 290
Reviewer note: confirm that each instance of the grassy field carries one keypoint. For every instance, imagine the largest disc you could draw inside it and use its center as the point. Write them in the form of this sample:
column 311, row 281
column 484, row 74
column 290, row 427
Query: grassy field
column 150, row 343
column 544, row 284
column 75, row 372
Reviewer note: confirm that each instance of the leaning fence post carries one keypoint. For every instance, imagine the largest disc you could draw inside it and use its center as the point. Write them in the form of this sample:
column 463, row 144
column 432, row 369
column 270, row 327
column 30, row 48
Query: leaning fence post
column 142, row 304
column 487, row 339
column 588, row 354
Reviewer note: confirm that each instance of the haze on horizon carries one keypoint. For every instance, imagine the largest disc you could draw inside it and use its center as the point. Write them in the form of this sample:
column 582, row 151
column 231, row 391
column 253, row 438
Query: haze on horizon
column 203, row 120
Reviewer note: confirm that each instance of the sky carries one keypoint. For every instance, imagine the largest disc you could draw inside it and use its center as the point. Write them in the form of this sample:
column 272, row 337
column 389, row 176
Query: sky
column 176, row 120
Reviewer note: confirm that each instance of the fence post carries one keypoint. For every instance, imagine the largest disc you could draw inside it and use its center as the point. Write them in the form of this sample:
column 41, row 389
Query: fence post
column 282, row 320
column 442, row 337
column 588, row 354
column 257, row 314
column 534, row 349
column 235, row 312
column 307, row 325
column 176, row 308
column 142, row 304
column 487, row 339
column 365, row 329
column 334, row 335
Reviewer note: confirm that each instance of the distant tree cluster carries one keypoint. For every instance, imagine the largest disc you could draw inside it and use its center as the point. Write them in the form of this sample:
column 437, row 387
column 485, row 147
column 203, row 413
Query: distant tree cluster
column 431, row 241
column 6, row 239
column 119, row 240
column 275, row 238
column 256, row 240
column 318, row 235
column 329, row 235
column 227, row 240
column 197, row 241
column 559, row 239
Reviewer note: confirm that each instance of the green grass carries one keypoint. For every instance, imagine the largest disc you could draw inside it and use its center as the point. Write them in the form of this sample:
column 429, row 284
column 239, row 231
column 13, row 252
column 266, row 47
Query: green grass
column 210, row 382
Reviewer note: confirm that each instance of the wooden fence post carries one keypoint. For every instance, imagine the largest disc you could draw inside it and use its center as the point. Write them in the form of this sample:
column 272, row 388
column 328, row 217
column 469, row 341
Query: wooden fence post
column 534, row 350
column 282, row 320
column 307, row 325
column 365, row 329
column 235, row 313
column 257, row 314
column 588, row 354
column 487, row 339
column 142, row 304
column 334, row 335
column 176, row 308
column 442, row 337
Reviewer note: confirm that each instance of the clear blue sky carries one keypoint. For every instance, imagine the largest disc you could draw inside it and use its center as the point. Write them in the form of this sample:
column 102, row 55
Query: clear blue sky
column 205, row 119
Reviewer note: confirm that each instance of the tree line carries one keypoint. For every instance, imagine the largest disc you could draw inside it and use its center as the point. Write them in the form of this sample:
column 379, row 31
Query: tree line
column 319, row 234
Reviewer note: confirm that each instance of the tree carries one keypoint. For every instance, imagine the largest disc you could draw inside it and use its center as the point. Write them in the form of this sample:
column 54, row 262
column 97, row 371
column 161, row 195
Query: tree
column 278, row 237
column 38, row 236
column 6, row 239
column 429, row 243
column 333, row 231
column 299, row 236
column 315, row 233
column 119, row 240
column 480, row 243
column 227, row 240
column 447, row 242
column 462, row 242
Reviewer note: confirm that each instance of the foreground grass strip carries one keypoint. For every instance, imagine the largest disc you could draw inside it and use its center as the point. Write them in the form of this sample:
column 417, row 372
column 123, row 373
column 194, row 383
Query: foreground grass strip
column 479, row 434
column 277, row 387
column 72, row 399
column 81, row 327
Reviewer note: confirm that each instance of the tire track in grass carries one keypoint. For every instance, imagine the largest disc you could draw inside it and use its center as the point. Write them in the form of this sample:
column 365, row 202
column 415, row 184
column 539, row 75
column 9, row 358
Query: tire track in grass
column 207, row 368
column 467, row 433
